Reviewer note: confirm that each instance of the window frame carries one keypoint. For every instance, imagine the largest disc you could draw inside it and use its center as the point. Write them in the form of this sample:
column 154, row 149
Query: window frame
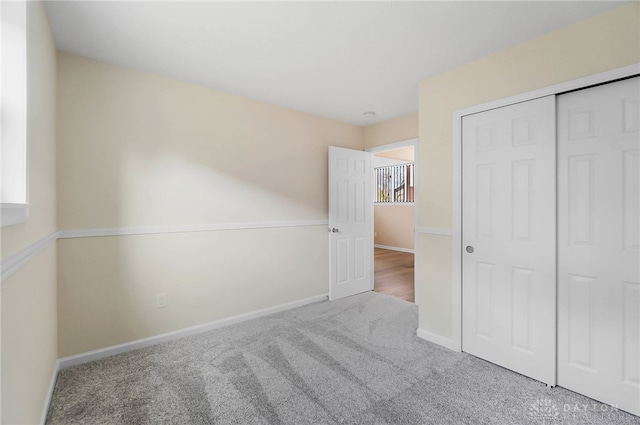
column 18, row 211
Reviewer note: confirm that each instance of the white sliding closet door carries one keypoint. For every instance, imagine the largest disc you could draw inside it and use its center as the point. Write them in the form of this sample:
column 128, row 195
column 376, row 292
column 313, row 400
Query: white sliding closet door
column 509, row 237
column 598, row 243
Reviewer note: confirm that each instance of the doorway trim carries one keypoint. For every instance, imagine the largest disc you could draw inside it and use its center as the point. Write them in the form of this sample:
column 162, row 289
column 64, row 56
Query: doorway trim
column 456, row 216
column 416, row 198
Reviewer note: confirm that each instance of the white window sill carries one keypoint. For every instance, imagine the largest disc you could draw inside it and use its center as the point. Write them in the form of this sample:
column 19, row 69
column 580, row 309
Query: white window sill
column 14, row 214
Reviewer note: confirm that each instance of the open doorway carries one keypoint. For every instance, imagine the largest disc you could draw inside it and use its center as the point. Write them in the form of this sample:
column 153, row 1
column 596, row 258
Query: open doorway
column 394, row 175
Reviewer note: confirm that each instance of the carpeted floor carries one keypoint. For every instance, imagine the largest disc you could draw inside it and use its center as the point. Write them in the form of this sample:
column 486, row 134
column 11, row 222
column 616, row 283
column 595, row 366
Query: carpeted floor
column 352, row 361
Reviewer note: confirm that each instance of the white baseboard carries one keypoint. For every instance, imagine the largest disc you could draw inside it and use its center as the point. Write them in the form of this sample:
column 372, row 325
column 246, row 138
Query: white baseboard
column 47, row 400
column 436, row 339
column 394, row 248
column 181, row 333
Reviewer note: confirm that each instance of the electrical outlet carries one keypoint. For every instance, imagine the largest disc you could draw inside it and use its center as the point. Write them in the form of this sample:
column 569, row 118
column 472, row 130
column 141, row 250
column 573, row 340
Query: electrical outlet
column 161, row 300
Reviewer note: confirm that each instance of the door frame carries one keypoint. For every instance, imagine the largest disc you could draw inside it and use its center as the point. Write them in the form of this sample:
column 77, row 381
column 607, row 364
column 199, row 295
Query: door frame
column 389, row 147
column 456, row 215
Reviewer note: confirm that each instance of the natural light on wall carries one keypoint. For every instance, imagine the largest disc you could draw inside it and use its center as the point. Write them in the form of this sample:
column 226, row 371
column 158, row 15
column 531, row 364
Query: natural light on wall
column 13, row 112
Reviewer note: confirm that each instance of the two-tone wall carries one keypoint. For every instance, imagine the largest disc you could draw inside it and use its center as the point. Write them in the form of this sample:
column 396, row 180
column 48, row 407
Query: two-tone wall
column 228, row 197
column 216, row 200
column 604, row 42
column 29, row 310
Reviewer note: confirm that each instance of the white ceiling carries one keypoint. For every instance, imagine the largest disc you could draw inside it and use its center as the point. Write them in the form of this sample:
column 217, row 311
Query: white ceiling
column 334, row 59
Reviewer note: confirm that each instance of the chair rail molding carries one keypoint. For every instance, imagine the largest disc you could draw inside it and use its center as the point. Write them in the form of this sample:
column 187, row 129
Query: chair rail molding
column 10, row 265
column 13, row 263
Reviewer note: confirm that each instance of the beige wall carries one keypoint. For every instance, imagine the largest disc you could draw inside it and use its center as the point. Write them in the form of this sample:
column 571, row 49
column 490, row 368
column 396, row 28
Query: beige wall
column 392, row 131
column 29, row 338
column 403, row 154
column 29, row 318
column 393, row 225
column 137, row 149
column 41, row 117
column 604, row 42
column 108, row 285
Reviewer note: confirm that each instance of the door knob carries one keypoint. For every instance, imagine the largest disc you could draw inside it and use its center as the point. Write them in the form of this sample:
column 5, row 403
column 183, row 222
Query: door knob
column 334, row 230
column 469, row 249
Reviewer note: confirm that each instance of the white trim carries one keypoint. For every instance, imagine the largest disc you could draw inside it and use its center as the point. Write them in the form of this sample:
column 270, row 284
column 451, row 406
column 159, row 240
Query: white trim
column 47, row 399
column 185, row 228
column 397, row 145
column 394, row 248
column 579, row 83
column 181, row 333
column 17, row 152
column 456, row 235
column 22, row 257
column 415, row 142
column 417, row 277
column 435, row 231
column 456, row 215
column 436, row 339
column 409, row 204
column 13, row 214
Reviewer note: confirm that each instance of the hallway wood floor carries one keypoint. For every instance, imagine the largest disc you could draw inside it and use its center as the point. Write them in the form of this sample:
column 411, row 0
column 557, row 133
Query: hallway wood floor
column 394, row 274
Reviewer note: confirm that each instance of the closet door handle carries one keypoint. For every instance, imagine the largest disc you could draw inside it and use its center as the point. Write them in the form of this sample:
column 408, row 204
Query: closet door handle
column 469, row 249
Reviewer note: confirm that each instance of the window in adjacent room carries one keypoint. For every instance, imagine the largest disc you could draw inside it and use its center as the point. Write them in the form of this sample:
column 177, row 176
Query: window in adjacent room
column 13, row 113
column 394, row 183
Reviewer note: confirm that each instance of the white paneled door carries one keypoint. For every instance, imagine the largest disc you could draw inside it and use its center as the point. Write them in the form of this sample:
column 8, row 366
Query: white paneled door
column 509, row 237
column 350, row 223
column 598, row 243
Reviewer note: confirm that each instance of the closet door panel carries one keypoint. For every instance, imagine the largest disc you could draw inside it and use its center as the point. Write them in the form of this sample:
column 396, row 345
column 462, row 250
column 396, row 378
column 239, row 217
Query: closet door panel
column 598, row 249
column 509, row 216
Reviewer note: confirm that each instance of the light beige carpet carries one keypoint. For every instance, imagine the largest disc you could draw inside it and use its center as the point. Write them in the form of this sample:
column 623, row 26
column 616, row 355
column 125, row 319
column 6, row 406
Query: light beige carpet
column 352, row 361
